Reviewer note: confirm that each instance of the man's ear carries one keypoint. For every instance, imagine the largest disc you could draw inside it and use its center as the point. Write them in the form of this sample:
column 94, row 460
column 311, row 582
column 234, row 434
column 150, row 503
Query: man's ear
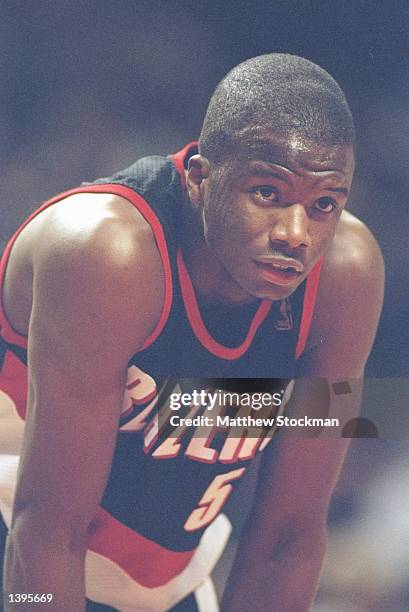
column 197, row 173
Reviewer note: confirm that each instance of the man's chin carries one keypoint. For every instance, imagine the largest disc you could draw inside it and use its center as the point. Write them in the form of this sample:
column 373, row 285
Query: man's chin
column 245, row 296
column 274, row 292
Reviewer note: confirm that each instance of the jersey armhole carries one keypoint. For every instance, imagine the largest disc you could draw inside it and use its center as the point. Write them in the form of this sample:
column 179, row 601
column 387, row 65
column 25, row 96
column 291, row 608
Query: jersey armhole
column 11, row 336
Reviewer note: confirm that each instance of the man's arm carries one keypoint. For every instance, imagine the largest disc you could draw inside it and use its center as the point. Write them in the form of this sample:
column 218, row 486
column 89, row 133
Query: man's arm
column 90, row 276
column 281, row 552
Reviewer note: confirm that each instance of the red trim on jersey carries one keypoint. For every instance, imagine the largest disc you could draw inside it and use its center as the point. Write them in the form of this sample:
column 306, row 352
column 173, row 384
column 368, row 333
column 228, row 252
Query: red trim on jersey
column 145, row 561
column 178, row 160
column 14, row 382
column 13, row 337
column 198, row 326
column 310, row 296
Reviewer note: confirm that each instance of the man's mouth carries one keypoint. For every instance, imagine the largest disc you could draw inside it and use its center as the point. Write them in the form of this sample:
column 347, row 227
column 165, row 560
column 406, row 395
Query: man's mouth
column 280, row 270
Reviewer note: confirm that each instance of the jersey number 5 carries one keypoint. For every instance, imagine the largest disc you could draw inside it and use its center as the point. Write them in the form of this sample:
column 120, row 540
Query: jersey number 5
column 213, row 500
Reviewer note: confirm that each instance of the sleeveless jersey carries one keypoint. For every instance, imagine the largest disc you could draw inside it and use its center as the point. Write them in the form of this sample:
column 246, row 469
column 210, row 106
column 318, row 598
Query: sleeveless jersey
column 159, row 530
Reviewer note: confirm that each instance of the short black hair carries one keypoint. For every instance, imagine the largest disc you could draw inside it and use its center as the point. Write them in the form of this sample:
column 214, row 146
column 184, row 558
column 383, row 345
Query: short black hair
column 282, row 93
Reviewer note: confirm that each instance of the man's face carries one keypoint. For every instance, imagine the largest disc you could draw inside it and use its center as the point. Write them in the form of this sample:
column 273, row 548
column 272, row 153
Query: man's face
column 271, row 213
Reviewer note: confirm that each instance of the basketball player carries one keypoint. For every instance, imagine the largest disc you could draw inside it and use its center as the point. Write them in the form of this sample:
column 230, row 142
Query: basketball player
column 232, row 259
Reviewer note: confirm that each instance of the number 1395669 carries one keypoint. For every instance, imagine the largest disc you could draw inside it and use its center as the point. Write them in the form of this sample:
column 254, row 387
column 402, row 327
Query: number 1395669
column 19, row 598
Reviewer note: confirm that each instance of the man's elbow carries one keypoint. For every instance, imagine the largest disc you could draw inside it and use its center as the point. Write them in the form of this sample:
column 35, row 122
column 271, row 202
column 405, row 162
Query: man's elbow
column 300, row 537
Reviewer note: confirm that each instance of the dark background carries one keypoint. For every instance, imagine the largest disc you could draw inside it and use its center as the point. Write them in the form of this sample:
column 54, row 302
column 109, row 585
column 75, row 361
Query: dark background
column 87, row 87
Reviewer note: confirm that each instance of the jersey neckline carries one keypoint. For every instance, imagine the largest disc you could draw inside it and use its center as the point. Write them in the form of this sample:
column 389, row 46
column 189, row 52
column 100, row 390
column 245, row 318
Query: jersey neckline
column 198, row 326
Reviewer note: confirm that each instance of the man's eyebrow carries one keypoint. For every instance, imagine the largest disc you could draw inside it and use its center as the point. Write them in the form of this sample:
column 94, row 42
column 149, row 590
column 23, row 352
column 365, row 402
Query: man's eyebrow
column 261, row 168
column 342, row 190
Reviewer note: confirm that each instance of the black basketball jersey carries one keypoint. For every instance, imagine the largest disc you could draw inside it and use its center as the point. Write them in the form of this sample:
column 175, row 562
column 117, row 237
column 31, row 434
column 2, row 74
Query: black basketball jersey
column 160, row 530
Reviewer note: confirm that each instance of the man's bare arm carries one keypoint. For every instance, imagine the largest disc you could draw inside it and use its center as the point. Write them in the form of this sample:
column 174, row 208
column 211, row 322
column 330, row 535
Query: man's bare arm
column 90, row 276
column 281, row 552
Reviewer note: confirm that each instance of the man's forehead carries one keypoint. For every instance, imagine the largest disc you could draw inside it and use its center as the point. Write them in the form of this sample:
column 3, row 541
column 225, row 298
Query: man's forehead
column 294, row 150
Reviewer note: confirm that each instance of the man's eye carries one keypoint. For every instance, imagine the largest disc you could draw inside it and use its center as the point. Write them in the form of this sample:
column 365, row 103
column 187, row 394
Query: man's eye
column 266, row 193
column 325, row 205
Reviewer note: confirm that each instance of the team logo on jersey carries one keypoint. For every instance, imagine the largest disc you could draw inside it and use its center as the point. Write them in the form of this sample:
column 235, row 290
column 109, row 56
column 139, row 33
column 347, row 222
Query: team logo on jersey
column 284, row 321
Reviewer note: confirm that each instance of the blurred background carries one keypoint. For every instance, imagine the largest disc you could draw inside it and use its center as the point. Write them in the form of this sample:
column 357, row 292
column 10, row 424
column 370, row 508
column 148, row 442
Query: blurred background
column 89, row 86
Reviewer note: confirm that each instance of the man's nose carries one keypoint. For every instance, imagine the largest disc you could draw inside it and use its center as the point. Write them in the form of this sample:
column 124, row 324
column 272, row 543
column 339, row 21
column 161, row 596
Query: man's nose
column 292, row 226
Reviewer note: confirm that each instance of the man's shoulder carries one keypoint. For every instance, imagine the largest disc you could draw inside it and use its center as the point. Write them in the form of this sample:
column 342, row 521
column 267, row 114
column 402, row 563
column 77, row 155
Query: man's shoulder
column 354, row 255
column 99, row 243
column 348, row 304
column 89, row 225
